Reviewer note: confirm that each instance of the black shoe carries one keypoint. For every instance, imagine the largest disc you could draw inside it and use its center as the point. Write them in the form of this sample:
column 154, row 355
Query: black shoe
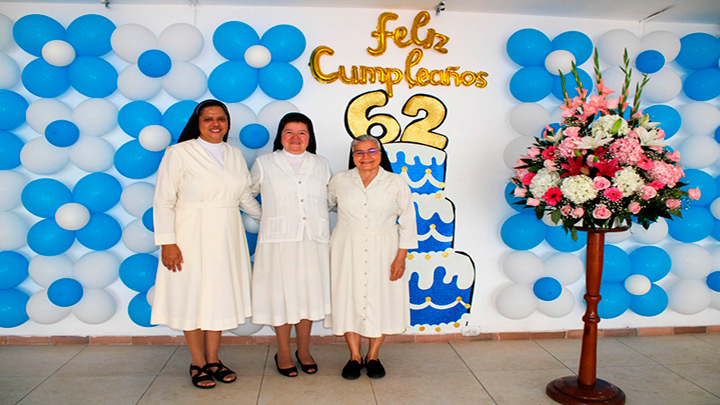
column 201, row 375
column 351, row 371
column 307, row 368
column 375, row 369
column 287, row 372
column 221, row 372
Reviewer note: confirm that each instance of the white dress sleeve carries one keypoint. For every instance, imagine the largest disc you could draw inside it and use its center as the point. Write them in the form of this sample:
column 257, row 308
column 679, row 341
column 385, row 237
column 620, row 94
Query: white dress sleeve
column 407, row 221
column 169, row 175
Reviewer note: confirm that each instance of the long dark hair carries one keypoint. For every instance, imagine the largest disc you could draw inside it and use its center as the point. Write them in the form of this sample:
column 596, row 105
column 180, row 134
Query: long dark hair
column 192, row 128
column 384, row 160
column 295, row 117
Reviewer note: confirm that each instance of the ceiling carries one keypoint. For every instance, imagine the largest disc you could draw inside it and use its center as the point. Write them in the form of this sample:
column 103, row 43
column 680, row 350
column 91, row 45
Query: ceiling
column 679, row 11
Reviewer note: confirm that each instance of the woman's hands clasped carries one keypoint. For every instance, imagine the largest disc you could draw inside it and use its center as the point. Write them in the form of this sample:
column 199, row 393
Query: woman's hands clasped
column 171, row 257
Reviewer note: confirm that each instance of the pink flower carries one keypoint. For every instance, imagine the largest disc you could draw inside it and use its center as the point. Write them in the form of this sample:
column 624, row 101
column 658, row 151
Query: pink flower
column 634, row 207
column 666, row 173
column 548, row 153
column 613, row 194
column 673, row 156
column 601, row 183
column 553, row 196
column 657, row 185
column 577, row 212
column 647, row 192
column 627, row 150
column 673, row 203
column 571, row 131
column 527, row 179
column 601, row 212
column 645, row 163
column 550, row 165
column 520, row 192
column 694, row 193
column 520, row 172
column 533, row 202
column 565, row 210
column 533, row 152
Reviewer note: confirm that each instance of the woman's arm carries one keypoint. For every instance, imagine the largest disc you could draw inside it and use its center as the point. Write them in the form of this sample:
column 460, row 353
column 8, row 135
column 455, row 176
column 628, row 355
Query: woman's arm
column 397, row 268
column 171, row 257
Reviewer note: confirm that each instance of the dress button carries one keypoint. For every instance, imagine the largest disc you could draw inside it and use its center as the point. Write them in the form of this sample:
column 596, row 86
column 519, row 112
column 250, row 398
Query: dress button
column 301, row 200
column 304, row 218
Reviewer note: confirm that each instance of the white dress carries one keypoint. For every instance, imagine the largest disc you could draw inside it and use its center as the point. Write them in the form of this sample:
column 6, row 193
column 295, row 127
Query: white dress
column 196, row 206
column 373, row 223
column 291, row 273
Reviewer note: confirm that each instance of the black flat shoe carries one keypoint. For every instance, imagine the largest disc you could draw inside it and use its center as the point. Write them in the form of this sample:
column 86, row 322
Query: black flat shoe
column 375, row 369
column 221, row 372
column 201, row 376
column 351, row 371
column 307, row 368
column 287, row 372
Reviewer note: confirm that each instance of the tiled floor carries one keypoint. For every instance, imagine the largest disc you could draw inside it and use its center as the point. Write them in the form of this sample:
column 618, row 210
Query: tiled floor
column 653, row 370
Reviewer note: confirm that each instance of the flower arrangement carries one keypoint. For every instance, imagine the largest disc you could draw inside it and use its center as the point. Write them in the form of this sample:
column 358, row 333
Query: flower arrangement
column 600, row 169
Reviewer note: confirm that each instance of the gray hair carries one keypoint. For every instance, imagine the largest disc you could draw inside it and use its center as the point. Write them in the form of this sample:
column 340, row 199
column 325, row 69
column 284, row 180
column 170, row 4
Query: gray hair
column 363, row 138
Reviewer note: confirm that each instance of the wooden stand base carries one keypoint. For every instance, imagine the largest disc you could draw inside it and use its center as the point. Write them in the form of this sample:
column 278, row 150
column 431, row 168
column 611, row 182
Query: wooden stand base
column 568, row 391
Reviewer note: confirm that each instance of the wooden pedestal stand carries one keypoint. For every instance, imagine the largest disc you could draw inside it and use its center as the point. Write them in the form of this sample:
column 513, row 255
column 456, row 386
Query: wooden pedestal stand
column 585, row 388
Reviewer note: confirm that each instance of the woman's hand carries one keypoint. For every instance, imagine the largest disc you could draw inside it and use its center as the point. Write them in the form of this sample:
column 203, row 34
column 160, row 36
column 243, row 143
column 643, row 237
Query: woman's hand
column 397, row 268
column 172, row 257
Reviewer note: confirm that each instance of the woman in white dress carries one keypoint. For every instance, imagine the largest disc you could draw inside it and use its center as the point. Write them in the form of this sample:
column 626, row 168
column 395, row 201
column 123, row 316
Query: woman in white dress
column 203, row 280
column 291, row 275
column 376, row 227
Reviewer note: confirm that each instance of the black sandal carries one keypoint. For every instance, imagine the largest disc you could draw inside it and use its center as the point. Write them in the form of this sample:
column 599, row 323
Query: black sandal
column 307, row 368
column 201, row 376
column 220, row 372
column 287, row 372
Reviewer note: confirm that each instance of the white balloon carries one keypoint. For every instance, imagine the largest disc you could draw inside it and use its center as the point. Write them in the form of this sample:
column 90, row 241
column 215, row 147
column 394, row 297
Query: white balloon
column 92, row 154
column 270, row 115
column 714, row 299
column 138, row 238
column 72, row 216
column 529, row 119
column 715, row 253
column 560, row 60
column 11, row 186
column 566, row 268
column 522, row 266
column 516, row 301
column 560, row 306
column 44, row 270
column 95, row 307
column 95, row 117
column 129, row 41
column 137, row 198
column 699, row 152
column 9, row 72
column 97, row 269
column 182, row 42
column 134, row 85
column 690, row 261
column 664, row 42
column 13, row 232
column 41, row 157
column 699, row 118
column 617, row 237
column 150, row 295
column 257, row 56
column 654, row 234
column 6, row 35
column 251, row 225
column 154, row 138
column 637, row 284
column 663, row 86
column 715, row 208
column 246, row 329
column 185, row 81
column 516, row 149
column 240, row 116
column 58, row 53
column 41, row 310
column 689, row 297
column 44, row 111
column 547, row 220
column 612, row 45
column 249, row 154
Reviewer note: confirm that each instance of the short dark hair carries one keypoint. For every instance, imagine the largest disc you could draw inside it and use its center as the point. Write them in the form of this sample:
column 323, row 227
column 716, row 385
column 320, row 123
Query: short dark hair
column 192, row 128
column 295, row 117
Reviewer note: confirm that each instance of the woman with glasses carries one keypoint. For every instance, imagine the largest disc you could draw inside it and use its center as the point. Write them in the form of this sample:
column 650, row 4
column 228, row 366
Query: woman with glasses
column 376, row 227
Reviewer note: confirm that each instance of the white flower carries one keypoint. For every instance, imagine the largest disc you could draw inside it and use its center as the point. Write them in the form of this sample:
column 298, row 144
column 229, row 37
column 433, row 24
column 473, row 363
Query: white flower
column 578, row 189
column 543, row 181
column 595, row 141
column 628, row 181
column 605, row 125
column 648, row 138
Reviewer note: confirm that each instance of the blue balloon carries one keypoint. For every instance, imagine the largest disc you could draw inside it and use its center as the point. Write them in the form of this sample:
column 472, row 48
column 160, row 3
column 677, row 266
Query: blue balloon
column 33, row 31
column 280, row 80
column 285, row 42
column 98, row 192
column 531, row 84
column 12, row 110
column 90, row 35
column 10, row 147
column 716, row 231
column 93, row 77
column 698, row 51
column 135, row 162
column 101, row 233
column 649, row 61
column 529, row 47
column 522, row 231
column 12, row 308
column 511, row 199
column 652, row 303
column 547, row 288
column 615, row 300
column 65, row 292
column 233, row 38
column 62, row 133
column 147, row 220
column 43, row 197
column 702, row 85
column 45, row 80
column 713, row 281
column 154, row 63
column 696, row 224
column 616, row 264
column 176, row 117
column 571, row 84
column 13, row 269
column 251, row 241
column 704, row 181
column 562, row 241
column 233, row 81
column 138, row 272
column 651, row 262
column 47, row 238
column 577, row 43
column 139, row 310
column 717, row 134
column 136, row 115
column 668, row 117
column 254, row 136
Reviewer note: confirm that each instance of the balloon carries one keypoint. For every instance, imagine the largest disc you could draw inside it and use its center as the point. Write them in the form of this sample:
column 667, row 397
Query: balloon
column 613, row 238
column 614, row 78
column 667, row 116
column 154, row 63
column 33, row 31
column 185, row 82
column 62, row 133
column 177, row 115
column 148, row 223
column 231, row 39
column 280, row 80
column 44, row 111
column 233, row 81
column 254, row 136
column 10, row 147
column 559, row 62
column 47, row 238
column 13, row 269
column 531, row 84
column 715, row 208
column 246, row 329
column 95, row 307
column 136, row 86
column 139, row 310
column 41, row 310
column 45, row 80
column 689, row 297
column 95, row 117
column 690, row 261
column 93, row 77
column 571, row 84
column 65, row 292
column 515, row 149
column 564, row 267
column 272, row 113
column 251, row 239
column 138, row 272
column 637, row 284
column 92, row 154
column 285, row 42
column 251, row 225
column 97, row 269
column 651, row 262
column 703, row 85
column 652, row 303
column 511, row 200
column 58, row 53
column 101, row 233
column 6, row 36
column 558, row 307
column 12, row 308
column 154, row 138
column 529, row 119
column 90, row 35
column 612, row 45
column 528, row 47
column 547, row 289
column 182, row 42
column 40, row 157
column 705, row 182
column 72, row 216
column 129, row 41
column 654, row 234
column 44, row 270
column 699, row 118
column 241, row 115
column 137, row 198
column 12, row 110
column 522, row 267
column 713, row 281
column 136, row 115
column 616, row 264
column 137, row 238
column 516, row 301
column 42, row 197
column 11, row 185
column 576, row 43
column 649, row 61
column 522, row 231
column 664, row 42
column 698, row 50
column 663, row 86
column 135, row 162
column 97, row 191
column 696, row 224
column 13, row 232
column 615, row 300
column 562, row 241
column 257, row 56
column 9, row 72
column 699, row 152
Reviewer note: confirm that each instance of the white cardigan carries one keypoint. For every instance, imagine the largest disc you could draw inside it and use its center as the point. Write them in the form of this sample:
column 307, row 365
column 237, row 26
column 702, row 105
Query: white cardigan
column 292, row 204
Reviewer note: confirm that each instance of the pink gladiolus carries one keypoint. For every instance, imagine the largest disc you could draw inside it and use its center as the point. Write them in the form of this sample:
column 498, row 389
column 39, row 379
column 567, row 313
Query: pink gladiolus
column 601, row 212
column 520, row 192
column 577, row 212
column 527, row 179
column 694, row 193
column 533, row 202
column 634, row 207
column 673, row 203
column 613, row 194
column 601, row 183
column 647, row 192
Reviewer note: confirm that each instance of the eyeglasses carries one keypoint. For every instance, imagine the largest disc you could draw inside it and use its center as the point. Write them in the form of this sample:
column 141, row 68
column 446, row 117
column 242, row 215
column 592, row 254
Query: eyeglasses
column 361, row 153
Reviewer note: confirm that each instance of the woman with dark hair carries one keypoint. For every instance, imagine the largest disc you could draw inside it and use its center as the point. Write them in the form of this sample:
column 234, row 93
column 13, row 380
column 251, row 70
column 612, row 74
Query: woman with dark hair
column 376, row 227
column 203, row 280
column 291, row 284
